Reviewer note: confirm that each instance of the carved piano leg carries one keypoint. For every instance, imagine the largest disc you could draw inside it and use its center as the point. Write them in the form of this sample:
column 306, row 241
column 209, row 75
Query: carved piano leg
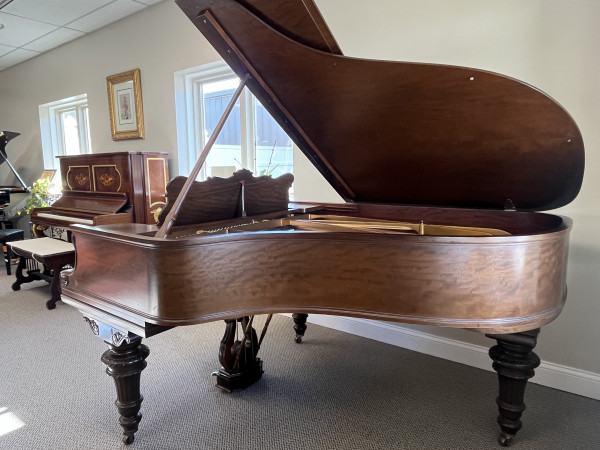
column 240, row 365
column 299, row 326
column 125, row 362
column 514, row 361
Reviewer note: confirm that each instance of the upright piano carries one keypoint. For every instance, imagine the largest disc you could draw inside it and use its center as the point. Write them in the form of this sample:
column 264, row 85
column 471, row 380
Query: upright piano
column 105, row 188
column 444, row 171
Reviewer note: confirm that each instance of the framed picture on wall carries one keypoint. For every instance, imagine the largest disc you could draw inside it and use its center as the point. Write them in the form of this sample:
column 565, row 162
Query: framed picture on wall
column 125, row 105
column 48, row 174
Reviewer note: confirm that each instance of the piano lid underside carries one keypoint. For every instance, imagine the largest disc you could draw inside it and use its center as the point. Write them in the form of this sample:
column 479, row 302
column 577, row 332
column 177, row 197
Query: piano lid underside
column 404, row 133
column 300, row 20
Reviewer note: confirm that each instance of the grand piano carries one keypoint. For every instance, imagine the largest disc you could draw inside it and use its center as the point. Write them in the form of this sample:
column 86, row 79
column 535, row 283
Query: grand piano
column 444, row 171
column 5, row 138
column 5, row 191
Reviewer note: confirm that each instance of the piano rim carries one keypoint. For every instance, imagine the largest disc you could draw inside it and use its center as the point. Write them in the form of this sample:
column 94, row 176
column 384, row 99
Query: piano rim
column 116, row 310
column 129, row 320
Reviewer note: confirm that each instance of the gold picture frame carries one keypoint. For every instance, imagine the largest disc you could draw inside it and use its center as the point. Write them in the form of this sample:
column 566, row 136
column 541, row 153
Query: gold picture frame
column 125, row 105
column 48, row 174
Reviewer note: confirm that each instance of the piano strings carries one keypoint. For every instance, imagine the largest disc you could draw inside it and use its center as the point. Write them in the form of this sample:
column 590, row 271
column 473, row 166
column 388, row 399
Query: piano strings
column 346, row 224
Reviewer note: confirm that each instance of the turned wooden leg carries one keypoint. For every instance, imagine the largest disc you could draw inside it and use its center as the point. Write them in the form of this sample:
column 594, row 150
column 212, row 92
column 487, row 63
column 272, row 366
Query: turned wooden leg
column 125, row 363
column 514, row 362
column 299, row 326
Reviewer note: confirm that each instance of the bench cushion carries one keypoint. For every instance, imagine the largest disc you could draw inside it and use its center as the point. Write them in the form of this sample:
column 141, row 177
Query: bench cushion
column 43, row 246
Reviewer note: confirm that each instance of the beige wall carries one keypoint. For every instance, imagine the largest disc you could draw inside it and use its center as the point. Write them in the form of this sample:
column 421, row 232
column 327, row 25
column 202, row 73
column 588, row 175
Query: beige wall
column 159, row 40
column 551, row 44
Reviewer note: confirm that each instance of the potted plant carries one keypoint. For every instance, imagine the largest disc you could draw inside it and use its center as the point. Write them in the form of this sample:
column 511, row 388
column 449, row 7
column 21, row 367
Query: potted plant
column 39, row 196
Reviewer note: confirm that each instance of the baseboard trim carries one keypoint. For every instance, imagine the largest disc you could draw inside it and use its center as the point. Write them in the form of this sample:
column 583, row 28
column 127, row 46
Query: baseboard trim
column 548, row 374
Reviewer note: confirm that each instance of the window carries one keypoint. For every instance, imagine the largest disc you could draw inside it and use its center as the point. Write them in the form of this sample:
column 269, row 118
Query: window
column 65, row 130
column 250, row 138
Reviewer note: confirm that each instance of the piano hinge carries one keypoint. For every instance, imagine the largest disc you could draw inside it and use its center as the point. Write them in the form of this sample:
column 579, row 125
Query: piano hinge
column 509, row 205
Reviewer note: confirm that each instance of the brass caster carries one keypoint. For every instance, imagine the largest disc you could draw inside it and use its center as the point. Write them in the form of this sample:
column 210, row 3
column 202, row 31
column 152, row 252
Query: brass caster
column 505, row 439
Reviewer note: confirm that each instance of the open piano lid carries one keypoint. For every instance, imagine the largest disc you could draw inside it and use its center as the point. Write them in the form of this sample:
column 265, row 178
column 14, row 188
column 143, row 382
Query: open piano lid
column 396, row 132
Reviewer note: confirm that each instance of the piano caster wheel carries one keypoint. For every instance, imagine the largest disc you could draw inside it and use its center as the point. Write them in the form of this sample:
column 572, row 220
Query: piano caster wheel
column 128, row 439
column 298, row 339
column 505, row 440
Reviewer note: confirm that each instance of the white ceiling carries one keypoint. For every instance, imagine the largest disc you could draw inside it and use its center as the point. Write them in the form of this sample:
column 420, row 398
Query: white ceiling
column 29, row 28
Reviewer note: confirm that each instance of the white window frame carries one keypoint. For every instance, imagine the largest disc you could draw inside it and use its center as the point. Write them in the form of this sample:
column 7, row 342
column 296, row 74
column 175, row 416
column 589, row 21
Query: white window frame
column 53, row 143
column 190, row 136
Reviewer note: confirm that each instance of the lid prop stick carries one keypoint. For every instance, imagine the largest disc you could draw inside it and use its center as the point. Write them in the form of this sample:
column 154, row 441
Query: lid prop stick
column 165, row 229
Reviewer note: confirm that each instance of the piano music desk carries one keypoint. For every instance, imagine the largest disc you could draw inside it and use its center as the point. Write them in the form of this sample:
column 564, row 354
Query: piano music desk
column 53, row 254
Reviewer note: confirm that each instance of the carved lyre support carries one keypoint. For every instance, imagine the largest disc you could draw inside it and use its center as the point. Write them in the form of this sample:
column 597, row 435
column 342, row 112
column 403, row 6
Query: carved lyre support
column 514, row 361
column 125, row 359
column 240, row 365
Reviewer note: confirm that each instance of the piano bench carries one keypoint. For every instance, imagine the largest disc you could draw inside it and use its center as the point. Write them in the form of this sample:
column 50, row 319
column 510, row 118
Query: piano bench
column 9, row 235
column 53, row 254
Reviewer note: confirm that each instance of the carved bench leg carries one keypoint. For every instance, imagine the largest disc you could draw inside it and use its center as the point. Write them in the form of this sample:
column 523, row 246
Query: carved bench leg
column 299, row 326
column 125, row 363
column 54, row 289
column 514, row 362
column 21, row 277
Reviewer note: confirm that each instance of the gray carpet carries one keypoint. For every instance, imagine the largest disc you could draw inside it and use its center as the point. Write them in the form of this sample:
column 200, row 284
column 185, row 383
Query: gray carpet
column 334, row 391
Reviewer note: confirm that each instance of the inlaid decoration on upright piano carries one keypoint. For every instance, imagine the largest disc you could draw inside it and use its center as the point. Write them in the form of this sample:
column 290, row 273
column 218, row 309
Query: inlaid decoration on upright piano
column 443, row 169
column 105, row 188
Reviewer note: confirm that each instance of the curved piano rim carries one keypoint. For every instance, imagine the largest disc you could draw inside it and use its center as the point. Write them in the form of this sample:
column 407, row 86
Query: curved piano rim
column 500, row 284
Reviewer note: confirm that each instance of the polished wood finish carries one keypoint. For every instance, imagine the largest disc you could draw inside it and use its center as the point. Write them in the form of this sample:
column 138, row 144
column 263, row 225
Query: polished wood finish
column 493, row 284
column 432, row 134
column 514, row 362
column 82, row 207
column 143, row 176
column 221, row 198
column 125, row 363
column 240, row 365
column 93, row 184
column 412, row 143
column 299, row 20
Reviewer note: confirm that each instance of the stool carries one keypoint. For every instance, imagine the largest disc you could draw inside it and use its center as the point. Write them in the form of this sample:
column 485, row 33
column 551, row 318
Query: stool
column 53, row 254
column 10, row 235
